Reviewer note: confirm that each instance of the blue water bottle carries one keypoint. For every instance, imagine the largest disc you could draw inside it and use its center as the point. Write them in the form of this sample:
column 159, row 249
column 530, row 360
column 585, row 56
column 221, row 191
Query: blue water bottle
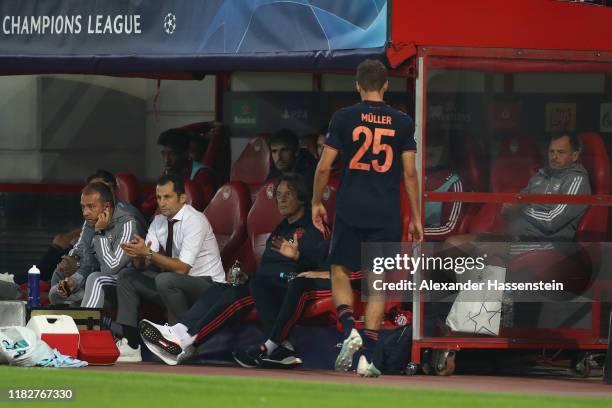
column 34, row 287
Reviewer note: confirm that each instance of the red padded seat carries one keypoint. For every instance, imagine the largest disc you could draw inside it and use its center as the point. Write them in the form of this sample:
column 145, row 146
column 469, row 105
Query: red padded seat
column 218, row 154
column 517, row 162
column 467, row 160
column 594, row 157
column 227, row 214
column 194, row 195
column 261, row 221
column 253, row 165
column 206, row 181
column 128, row 188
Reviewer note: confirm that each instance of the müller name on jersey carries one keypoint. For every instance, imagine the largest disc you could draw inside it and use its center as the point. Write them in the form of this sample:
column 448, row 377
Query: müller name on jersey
column 376, row 119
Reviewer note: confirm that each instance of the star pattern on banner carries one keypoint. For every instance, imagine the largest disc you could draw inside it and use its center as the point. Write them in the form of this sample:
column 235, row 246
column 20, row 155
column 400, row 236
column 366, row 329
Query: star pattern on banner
column 482, row 320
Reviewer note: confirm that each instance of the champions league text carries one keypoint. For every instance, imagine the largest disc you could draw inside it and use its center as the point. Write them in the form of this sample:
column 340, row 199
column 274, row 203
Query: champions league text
column 75, row 24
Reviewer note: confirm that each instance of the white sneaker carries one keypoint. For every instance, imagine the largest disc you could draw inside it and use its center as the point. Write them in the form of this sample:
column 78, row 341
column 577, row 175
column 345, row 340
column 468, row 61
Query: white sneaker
column 128, row 354
column 161, row 336
column 367, row 369
column 349, row 347
column 168, row 358
column 165, row 343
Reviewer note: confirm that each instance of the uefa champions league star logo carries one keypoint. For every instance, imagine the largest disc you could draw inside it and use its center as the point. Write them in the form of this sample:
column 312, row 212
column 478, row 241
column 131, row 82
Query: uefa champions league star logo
column 170, row 23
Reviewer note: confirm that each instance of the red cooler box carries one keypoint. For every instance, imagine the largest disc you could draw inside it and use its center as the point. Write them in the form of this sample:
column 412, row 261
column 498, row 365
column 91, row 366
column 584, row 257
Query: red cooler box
column 58, row 331
column 98, row 347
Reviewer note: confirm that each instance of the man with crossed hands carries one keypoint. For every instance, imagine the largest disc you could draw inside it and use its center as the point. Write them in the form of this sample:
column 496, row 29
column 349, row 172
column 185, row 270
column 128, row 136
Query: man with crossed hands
column 176, row 263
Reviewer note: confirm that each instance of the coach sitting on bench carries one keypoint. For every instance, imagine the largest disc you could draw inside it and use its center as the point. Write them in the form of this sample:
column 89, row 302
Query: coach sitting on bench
column 294, row 248
column 101, row 256
column 176, row 263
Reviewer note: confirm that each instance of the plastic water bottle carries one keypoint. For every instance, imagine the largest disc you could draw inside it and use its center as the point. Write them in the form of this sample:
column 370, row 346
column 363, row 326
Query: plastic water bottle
column 235, row 272
column 34, row 287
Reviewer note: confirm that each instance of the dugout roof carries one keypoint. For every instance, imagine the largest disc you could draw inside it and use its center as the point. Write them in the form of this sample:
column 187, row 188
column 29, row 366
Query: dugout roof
column 161, row 38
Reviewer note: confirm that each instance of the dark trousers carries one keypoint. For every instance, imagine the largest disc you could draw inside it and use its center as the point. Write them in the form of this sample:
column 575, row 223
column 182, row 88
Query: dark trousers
column 300, row 292
column 175, row 291
column 220, row 306
column 269, row 293
column 224, row 304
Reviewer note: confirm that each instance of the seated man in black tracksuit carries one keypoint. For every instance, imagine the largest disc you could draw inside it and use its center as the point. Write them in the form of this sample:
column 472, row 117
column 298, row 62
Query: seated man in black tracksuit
column 295, row 247
column 277, row 351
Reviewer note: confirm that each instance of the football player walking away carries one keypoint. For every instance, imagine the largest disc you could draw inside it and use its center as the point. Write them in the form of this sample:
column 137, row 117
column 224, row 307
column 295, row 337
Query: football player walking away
column 377, row 148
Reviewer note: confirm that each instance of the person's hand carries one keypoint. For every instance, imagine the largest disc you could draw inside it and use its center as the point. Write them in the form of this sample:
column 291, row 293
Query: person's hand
column 290, row 249
column 314, row 274
column 415, row 231
column 64, row 287
column 68, row 265
column 136, row 247
column 103, row 220
column 319, row 219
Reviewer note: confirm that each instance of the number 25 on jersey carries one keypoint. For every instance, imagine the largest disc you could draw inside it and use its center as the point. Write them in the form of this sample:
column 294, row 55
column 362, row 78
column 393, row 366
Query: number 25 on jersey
column 378, row 147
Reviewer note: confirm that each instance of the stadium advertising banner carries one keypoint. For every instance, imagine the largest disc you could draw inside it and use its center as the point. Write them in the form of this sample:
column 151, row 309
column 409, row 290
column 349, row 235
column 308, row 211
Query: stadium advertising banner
column 247, row 114
column 187, row 31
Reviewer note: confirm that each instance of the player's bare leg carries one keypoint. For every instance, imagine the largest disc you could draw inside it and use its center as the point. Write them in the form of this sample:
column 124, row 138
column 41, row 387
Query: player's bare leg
column 374, row 313
column 342, row 293
column 343, row 300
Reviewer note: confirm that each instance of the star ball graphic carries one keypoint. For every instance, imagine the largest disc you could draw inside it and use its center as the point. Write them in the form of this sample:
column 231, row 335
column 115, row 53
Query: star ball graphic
column 170, row 23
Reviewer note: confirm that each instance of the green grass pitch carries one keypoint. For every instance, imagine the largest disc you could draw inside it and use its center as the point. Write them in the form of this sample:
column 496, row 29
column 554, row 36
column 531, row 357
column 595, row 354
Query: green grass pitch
column 113, row 389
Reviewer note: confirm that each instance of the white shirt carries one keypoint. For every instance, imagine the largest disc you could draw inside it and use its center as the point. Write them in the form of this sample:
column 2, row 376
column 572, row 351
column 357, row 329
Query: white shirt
column 193, row 242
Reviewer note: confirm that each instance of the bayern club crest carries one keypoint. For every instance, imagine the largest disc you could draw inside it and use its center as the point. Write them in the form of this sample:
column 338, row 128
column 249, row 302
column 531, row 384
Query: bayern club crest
column 299, row 232
column 401, row 319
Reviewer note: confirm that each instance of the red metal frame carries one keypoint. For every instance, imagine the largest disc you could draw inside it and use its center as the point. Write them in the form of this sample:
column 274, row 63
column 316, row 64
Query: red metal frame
column 518, row 60
column 518, row 54
column 482, row 24
column 506, row 61
column 468, row 197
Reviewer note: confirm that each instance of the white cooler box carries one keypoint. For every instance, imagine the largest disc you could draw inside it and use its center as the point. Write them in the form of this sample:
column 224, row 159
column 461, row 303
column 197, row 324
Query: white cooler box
column 58, row 331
